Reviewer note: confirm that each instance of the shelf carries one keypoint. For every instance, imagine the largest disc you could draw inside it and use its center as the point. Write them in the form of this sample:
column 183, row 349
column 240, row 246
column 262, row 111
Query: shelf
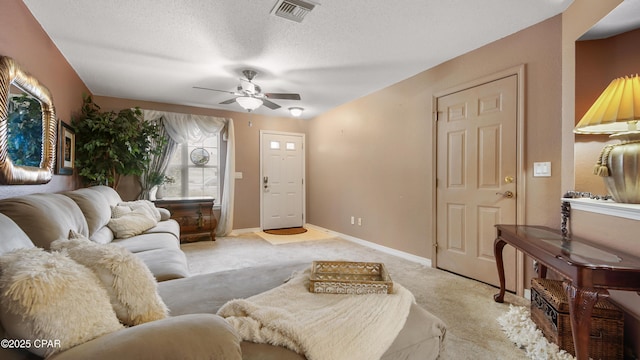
column 605, row 207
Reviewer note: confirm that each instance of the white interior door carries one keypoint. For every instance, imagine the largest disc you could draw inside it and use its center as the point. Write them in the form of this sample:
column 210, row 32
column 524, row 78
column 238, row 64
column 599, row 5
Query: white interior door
column 476, row 178
column 282, row 180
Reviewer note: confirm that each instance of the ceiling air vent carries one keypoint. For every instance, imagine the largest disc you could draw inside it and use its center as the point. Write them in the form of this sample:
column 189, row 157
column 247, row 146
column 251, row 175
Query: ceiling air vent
column 294, row 10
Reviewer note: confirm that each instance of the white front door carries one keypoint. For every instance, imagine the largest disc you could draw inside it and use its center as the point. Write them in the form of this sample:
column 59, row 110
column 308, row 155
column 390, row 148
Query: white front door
column 476, row 178
column 282, row 180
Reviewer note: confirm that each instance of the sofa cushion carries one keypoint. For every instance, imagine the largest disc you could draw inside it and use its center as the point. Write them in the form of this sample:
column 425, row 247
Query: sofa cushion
column 129, row 283
column 189, row 337
column 112, row 196
column 49, row 296
column 165, row 264
column 94, row 206
column 255, row 351
column 103, row 236
column 208, row 292
column 168, row 226
column 12, row 236
column 165, row 214
column 45, row 217
column 146, row 241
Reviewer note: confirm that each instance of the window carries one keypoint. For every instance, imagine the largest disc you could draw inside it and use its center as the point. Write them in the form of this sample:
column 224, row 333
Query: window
column 195, row 167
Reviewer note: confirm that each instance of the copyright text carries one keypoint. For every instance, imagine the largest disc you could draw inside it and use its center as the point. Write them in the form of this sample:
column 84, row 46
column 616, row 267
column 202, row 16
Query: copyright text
column 27, row 344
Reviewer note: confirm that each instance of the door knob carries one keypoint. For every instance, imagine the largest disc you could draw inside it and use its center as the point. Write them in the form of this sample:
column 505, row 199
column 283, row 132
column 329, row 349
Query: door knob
column 507, row 194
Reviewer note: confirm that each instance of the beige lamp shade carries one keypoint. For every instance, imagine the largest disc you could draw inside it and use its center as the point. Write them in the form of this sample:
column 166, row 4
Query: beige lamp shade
column 616, row 110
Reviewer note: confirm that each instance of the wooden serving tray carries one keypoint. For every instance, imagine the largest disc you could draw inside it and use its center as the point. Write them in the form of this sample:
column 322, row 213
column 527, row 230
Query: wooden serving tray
column 346, row 277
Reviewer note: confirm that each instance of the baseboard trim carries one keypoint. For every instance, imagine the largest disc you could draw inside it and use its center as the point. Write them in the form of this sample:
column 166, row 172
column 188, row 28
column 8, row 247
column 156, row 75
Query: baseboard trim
column 405, row 255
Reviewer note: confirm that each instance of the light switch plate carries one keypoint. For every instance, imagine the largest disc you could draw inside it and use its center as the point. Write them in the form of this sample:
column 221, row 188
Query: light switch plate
column 542, row 169
column 239, row 175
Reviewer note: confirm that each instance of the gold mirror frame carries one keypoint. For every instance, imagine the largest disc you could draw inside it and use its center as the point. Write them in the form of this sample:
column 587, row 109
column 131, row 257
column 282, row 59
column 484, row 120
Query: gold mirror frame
column 10, row 174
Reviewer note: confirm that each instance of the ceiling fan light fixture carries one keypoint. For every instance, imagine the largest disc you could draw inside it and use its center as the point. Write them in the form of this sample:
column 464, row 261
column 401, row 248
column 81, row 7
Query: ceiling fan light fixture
column 249, row 103
column 296, row 111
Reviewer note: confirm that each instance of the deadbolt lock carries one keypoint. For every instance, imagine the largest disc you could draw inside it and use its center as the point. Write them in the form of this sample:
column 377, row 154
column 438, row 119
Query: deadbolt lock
column 508, row 179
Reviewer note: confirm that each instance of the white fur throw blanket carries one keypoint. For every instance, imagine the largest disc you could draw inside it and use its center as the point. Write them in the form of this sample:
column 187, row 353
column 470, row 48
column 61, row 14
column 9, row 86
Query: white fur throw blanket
column 321, row 326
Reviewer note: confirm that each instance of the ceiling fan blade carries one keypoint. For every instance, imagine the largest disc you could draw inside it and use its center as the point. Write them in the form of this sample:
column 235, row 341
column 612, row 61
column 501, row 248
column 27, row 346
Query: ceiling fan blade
column 283, row 96
column 224, row 91
column 270, row 105
column 230, row 101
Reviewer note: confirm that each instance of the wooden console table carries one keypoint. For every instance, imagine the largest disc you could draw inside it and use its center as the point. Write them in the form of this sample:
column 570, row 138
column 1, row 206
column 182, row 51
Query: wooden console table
column 589, row 269
column 195, row 216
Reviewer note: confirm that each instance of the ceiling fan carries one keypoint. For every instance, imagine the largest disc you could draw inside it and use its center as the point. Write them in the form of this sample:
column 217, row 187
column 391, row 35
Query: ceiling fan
column 250, row 96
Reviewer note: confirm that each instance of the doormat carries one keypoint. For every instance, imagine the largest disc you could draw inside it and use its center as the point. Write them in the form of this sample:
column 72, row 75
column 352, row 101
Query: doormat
column 310, row 235
column 287, row 231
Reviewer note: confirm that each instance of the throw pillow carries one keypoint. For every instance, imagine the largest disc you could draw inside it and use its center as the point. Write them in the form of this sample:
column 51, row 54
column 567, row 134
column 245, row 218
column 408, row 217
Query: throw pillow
column 49, row 296
column 132, row 288
column 119, row 211
column 145, row 206
column 131, row 224
column 164, row 214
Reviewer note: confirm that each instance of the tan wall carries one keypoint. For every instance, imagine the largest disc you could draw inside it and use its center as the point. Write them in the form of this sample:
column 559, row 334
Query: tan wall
column 22, row 38
column 247, row 201
column 374, row 157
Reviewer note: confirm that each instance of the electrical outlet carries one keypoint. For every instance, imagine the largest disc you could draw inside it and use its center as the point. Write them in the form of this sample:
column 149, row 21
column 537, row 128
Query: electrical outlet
column 353, row 220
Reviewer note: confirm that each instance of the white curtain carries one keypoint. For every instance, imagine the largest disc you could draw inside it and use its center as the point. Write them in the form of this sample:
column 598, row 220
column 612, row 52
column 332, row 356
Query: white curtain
column 158, row 163
column 184, row 127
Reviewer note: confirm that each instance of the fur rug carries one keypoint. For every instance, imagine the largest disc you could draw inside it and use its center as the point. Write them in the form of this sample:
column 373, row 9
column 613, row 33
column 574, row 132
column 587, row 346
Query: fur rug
column 520, row 329
column 321, row 326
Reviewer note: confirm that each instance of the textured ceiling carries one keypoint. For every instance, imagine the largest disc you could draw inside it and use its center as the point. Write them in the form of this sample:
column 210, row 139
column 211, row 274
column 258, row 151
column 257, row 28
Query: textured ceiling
column 157, row 50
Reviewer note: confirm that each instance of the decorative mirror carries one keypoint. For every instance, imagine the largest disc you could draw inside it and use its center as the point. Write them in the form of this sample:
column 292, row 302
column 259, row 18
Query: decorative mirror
column 199, row 156
column 27, row 127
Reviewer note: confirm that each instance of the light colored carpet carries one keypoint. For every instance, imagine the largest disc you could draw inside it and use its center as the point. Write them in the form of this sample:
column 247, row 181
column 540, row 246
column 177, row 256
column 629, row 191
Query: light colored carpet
column 465, row 305
column 309, row 235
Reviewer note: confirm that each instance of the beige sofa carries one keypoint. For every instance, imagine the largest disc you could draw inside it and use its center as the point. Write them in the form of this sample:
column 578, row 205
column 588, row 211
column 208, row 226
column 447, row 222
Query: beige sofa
column 192, row 331
column 48, row 217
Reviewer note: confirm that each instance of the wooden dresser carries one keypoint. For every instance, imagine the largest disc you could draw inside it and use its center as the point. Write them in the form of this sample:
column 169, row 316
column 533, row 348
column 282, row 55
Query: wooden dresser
column 195, row 216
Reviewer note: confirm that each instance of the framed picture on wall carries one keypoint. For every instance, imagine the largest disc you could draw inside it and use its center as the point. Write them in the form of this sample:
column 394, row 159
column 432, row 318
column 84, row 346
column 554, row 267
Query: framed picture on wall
column 66, row 149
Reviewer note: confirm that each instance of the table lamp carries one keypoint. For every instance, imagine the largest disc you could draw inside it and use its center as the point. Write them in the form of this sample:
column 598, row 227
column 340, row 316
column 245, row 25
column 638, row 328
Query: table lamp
column 617, row 112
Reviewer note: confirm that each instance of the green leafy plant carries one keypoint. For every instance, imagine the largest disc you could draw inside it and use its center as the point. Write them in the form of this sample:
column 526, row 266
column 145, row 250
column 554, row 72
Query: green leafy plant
column 113, row 144
column 156, row 178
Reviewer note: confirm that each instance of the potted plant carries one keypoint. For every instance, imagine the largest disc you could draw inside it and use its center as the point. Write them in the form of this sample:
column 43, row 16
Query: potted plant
column 113, row 144
column 157, row 180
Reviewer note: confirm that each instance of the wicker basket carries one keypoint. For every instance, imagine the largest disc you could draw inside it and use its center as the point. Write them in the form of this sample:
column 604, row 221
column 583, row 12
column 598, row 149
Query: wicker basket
column 550, row 312
column 344, row 277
